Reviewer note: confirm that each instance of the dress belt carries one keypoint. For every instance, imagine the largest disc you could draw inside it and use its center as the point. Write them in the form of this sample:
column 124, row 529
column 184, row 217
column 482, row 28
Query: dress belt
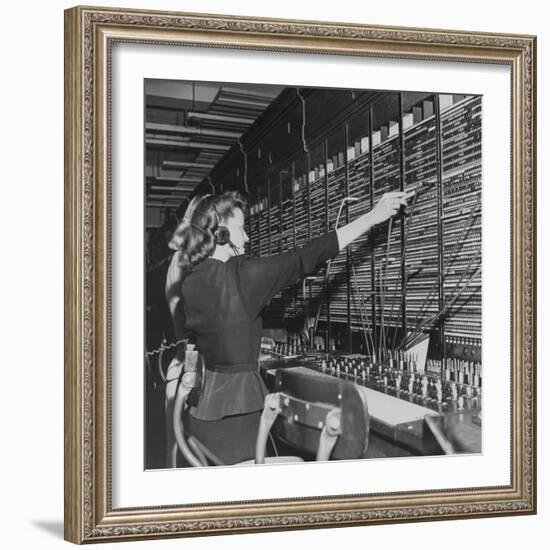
column 252, row 366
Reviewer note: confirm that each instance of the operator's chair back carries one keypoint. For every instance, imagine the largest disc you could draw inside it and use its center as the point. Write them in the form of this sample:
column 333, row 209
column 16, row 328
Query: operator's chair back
column 318, row 415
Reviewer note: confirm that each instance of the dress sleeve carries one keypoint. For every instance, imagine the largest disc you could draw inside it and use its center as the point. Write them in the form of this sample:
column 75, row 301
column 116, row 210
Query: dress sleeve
column 260, row 279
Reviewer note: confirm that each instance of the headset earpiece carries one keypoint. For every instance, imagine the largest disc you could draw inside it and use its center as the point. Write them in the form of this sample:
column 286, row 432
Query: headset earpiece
column 222, row 235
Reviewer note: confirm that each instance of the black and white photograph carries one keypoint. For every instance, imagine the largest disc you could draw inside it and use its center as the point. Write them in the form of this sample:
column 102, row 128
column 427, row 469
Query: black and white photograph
column 300, row 265
column 313, row 269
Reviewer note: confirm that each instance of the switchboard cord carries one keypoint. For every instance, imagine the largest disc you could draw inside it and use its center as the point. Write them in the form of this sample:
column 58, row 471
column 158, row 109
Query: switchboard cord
column 329, row 263
column 453, row 254
column 403, row 275
column 384, row 283
column 416, row 335
column 163, row 347
column 160, row 352
column 365, row 324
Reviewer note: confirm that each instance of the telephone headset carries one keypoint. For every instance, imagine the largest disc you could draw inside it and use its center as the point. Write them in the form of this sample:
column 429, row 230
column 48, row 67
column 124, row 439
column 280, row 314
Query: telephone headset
column 221, row 232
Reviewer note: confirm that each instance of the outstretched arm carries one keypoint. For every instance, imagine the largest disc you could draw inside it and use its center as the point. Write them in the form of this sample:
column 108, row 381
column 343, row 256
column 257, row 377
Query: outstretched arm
column 260, row 279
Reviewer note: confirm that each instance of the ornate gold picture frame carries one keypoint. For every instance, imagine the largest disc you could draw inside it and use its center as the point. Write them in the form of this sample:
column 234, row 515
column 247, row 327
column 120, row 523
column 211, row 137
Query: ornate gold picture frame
column 90, row 35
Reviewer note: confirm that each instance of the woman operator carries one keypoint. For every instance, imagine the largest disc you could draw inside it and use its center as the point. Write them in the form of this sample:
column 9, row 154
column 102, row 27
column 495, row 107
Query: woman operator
column 217, row 293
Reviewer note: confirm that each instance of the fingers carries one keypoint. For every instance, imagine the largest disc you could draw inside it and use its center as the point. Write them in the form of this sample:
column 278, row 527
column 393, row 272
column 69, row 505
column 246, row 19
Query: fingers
column 395, row 198
column 389, row 205
column 396, row 204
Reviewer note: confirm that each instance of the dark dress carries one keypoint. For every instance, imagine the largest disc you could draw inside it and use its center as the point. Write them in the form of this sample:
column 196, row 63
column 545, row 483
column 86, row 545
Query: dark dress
column 222, row 302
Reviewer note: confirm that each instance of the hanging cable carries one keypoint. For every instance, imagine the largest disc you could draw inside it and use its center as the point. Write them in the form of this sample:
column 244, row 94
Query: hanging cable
column 159, row 365
column 329, row 263
column 403, row 275
column 385, row 285
column 414, row 337
column 245, row 158
column 165, row 346
column 302, row 99
column 212, row 188
column 466, row 228
column 454, row 296
column 365, row 324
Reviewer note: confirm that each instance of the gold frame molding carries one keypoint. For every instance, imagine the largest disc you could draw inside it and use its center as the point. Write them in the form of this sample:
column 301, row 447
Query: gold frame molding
column 89, row 36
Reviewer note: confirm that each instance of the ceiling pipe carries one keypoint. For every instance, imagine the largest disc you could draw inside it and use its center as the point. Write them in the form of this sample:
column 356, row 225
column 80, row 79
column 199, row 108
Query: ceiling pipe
column 166, row 188
column 154, row 203
column 247, row 102
column 173, row 196
column 249, row 93
column 220, row 118
column 187, row 144
column 177, row 129
column 178, row 180
column 172, row 164
column 210, row 156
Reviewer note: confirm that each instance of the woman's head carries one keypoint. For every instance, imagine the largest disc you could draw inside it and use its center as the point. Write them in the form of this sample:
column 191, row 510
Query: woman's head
column 195, row 236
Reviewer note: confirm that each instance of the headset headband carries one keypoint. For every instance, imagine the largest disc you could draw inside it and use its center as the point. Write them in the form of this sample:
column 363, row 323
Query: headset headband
column 193, row 205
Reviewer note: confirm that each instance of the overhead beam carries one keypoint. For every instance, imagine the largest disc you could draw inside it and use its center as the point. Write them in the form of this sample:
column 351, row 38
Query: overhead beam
column 167, row 188
column 175, row 165
column 248, row 102
column 178, row 180
column 221, row 118
column 180, row 129
column 173, row 104
column 187, row 144
column 249, row 92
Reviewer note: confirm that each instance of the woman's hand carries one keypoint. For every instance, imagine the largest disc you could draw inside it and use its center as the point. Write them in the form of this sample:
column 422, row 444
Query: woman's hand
column 384, row 209
column 388, row 206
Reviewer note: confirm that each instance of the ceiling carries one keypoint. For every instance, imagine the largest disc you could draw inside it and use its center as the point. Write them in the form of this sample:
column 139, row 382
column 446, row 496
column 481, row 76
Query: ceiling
column 189, row 127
